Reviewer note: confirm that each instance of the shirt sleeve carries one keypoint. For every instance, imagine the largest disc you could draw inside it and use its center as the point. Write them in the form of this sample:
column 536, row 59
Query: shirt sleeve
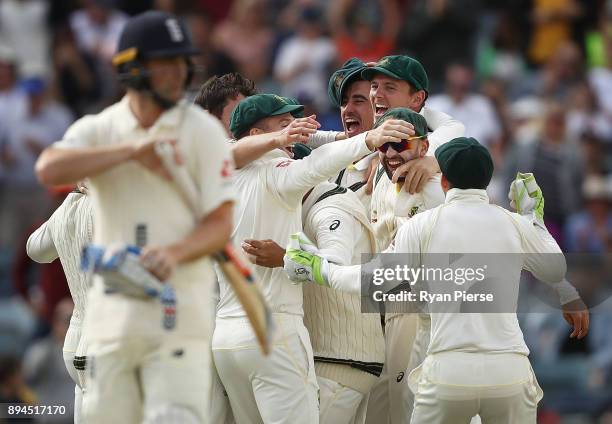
column 542, row 255
column 288, row 180
column 215, row 167
column 335, row 234
column 80, row 134
column 320, row 138
column 444, row 128
column 40, row 246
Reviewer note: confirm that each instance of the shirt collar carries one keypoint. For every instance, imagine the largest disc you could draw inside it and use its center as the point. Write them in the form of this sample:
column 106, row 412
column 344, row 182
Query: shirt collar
column 362, row 164
column 470, row 195
column 168, row 119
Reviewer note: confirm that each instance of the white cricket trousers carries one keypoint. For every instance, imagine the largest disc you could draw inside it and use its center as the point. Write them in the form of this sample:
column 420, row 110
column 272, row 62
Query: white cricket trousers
column 150, row 380
column 406, row 342
column 278, row 388
column 340, row 404
column 74, row 345
column 452, row 387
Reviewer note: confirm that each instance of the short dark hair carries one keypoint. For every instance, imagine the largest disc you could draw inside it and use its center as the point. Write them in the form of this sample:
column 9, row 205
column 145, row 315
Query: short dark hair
column 215, row 93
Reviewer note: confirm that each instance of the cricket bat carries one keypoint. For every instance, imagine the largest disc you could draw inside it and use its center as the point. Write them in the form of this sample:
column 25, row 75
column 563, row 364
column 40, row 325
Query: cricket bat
column 234, row 266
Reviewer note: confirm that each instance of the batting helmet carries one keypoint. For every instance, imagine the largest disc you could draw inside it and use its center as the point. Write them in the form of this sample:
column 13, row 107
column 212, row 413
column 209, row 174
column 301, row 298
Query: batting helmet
column 150, row 35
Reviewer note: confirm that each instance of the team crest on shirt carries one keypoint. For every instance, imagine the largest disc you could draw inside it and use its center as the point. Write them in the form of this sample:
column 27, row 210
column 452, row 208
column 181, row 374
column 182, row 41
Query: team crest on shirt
column 413, row 211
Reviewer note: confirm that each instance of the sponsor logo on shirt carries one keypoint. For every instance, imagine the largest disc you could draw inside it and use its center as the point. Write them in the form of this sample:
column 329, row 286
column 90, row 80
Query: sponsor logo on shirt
column 283, row 163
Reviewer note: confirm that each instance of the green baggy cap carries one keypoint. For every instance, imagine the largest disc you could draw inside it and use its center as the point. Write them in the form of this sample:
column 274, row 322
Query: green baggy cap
column 465, row 163
column 400, row 67
column 257, row 107
column 349, row 72
column 405, row 114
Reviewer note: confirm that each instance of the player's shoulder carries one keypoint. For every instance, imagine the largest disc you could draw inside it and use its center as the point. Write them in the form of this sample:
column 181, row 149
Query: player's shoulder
column 197, row 116
column 85, row 125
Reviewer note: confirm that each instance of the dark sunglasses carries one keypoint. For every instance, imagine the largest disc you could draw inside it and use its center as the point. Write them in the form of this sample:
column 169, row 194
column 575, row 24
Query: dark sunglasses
column 405, row 144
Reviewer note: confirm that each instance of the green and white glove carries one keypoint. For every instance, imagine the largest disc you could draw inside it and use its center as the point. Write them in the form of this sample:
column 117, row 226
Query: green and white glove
column 526, row 197
column 302, row 262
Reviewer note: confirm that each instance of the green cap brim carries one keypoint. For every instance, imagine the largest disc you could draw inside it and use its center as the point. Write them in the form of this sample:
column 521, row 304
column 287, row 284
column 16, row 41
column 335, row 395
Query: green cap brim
column 368, row 74
column 288, row 109
column 349, row 79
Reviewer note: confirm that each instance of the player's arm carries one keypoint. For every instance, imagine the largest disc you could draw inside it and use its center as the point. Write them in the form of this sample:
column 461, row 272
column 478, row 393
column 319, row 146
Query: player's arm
column 444, row 128
column 252, row 147
column 40, row 246
column 79, row 155
column 291, row 180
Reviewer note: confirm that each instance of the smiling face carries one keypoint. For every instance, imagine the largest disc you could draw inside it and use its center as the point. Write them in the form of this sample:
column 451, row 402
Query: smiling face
column 356, row 111
column 388, row 93
column 392, row 159
column 271, row 124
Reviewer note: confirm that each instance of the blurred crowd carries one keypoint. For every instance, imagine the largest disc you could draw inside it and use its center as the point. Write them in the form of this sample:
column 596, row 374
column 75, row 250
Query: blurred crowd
column 531, row 79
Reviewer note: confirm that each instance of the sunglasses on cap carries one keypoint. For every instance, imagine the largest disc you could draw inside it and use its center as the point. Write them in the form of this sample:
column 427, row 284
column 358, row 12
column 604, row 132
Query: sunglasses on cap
column 404, row 144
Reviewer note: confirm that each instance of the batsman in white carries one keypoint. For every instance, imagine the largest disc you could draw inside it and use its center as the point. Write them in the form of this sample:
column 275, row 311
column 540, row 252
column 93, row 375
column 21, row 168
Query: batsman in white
column 281, row 387
column 63, row 236
column 138, row 370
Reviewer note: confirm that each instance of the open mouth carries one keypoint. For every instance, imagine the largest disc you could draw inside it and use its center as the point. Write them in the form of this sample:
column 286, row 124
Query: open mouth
column 380, row 109
column 393, row 164
column 352, row 125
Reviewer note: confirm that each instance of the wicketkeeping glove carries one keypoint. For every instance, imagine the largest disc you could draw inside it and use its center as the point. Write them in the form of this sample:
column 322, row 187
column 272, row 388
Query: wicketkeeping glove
column 526, row 197
column 302, row 262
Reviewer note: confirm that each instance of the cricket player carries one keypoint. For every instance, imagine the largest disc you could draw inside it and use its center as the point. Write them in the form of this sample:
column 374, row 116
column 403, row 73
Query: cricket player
column 484, row 371
column 221, row 94
column 349, row 91
column 348, row 345
column 281, row 387
column 63, row 236
column 140, row 371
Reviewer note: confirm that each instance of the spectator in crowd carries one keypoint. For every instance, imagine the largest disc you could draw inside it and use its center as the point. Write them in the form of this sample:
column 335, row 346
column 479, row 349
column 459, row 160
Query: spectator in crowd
column 461, row 102
column 590, row 230
column 584, row 114
column 24, row 26
column 439, row 32
column 558, row 164
column 357, row 32
column 44, row 368
column 43, row 122
column 564, row 68
column 600, row 77
column 96, row 28
column 500, row 55
column 303, row 60
column 245, row 37
column 211, row 61
column 13, row 104
column 526, row 118
column 552, row 26
column 77, row 81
